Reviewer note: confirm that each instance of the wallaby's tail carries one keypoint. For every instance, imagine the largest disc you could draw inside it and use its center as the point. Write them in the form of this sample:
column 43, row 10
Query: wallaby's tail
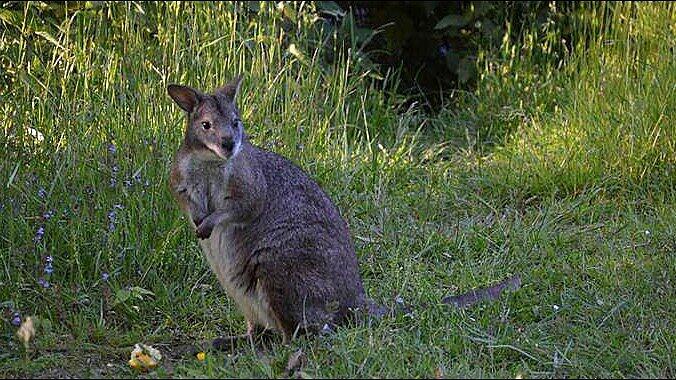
column 490, row 293
column 464, row 300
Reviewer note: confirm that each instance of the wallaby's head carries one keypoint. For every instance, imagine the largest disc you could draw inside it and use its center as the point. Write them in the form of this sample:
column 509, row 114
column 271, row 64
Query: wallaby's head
column 214, row 124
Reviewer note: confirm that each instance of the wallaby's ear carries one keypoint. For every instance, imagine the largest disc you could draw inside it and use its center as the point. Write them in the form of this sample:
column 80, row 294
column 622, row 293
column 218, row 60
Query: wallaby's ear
column 186, row 97
column 230, row 90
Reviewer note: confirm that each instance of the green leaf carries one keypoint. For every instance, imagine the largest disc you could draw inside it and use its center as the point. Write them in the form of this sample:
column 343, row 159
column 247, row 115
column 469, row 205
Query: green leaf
column 121, row 296
column 138, row 291
column 50, row 38
column 451, row 20
column 253, row 6
column 466, row 69
column 287, row 10
column 139, row 8
column 363, row 35
column 293, row 49
column 480, row 8
column 10, row 17
column 330, row 7
column 45, row 325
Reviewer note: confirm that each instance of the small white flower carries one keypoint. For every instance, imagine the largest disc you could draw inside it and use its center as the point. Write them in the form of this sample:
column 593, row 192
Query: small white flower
column 37, row 135
column 556, row 307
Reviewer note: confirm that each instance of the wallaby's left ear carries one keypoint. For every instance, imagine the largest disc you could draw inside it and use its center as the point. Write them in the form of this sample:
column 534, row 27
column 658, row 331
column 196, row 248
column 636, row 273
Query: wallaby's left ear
column 186, row 97
column 230, row 90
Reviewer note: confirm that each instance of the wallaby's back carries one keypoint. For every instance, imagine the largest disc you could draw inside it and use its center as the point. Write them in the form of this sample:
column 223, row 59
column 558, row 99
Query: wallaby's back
column 306, row 259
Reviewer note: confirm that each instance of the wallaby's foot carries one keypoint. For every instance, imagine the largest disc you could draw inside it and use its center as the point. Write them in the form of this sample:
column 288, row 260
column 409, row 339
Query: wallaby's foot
column 254, row 334
column 286, row 340
column 232, row 342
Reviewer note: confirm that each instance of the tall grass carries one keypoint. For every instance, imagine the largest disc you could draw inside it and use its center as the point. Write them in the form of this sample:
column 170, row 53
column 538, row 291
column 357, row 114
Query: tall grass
column 562, row 173
column 612, row 126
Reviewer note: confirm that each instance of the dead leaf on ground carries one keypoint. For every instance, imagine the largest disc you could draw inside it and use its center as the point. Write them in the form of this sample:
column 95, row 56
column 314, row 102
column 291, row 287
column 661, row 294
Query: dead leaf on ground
column 144, row 357
column 26, row 332
column 296, row 361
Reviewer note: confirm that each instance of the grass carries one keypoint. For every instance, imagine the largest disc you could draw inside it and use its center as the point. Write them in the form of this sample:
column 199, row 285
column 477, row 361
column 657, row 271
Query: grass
column 562, row 174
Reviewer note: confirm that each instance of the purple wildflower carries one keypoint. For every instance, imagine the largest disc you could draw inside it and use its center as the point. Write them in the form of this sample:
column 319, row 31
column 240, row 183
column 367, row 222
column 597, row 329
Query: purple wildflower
column 112, row 215
column 326, row 329
column 113, row 182
column 115, row 169
column 137, row 177
column 49, row 269
column 127, row 183
column 38, row 234
column 42, row 193
column 16, row 320
column 105, row 276
column 112, row 219
column 112, row 149
column 44, row 283
column 48, row 215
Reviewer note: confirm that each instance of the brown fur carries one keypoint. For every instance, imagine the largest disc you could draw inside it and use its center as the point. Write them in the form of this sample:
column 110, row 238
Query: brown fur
column 276, row 242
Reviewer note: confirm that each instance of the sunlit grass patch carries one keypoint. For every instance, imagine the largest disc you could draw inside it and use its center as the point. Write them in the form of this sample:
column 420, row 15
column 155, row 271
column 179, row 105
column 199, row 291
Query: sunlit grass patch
column 613, row 127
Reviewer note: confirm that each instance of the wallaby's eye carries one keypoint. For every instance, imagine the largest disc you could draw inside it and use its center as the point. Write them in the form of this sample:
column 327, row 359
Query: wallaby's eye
column 206, row 125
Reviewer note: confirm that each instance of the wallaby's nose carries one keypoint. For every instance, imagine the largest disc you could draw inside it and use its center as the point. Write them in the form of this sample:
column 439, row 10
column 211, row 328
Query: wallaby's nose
column 227, row 143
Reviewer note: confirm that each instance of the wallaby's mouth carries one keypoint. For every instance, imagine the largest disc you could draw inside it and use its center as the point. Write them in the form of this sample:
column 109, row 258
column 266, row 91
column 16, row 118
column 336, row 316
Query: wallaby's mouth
column 221, row 153
column 225, row 150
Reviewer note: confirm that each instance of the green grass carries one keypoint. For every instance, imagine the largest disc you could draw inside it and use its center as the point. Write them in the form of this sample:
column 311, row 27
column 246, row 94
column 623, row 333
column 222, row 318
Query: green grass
column 564, row 175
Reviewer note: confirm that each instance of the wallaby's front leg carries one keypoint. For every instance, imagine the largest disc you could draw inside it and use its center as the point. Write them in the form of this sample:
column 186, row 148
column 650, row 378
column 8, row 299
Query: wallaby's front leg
column 196, row 212
column 239, row 206
column 207, row 225
column 193, row 203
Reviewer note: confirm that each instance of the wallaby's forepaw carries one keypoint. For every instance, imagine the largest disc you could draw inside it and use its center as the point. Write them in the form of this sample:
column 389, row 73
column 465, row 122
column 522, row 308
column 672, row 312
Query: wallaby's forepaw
column 203, row 231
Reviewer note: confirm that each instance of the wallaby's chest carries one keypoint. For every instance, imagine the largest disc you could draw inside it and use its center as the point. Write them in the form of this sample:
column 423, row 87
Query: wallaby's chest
column 207, row 183
column 224, row 256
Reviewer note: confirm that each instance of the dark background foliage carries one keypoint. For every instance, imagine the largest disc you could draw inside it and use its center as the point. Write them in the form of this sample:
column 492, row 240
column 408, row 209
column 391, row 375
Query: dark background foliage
column 435, row 43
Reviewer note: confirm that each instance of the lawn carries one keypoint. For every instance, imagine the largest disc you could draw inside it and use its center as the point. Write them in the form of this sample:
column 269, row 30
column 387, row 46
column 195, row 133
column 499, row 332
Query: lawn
column 559, row 171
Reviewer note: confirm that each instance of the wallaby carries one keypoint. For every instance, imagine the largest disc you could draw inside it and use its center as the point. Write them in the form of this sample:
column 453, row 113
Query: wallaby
column 276, row 242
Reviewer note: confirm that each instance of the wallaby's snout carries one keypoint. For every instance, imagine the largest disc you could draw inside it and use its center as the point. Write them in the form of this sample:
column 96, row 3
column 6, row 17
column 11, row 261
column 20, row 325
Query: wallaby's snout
column 222, row 141
column 227, row 143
